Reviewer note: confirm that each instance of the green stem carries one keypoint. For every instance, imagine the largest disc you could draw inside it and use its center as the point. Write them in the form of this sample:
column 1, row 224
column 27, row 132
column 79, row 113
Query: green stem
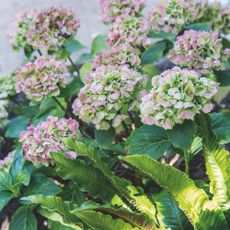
column 186, row 160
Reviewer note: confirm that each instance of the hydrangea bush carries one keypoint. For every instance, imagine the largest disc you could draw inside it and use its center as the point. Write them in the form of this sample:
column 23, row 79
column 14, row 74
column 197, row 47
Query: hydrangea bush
column 131, row 133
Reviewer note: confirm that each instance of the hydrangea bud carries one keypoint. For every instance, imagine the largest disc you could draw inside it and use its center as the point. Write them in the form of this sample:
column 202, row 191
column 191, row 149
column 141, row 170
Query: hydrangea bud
column 18, row 29
column 111, row 9
column 107, row 90
column 41, row 78
column 128, row 30
column 173, row 15
column 118, row 55
column 6, row 163
column 177, row 95
column 201, row 51
column 52, row 27
column 46, row 138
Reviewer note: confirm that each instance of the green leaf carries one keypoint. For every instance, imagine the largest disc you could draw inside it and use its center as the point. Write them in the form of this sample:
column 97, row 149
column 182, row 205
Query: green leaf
column 190, row 199
column 87, row 67
column 5, row 197
column 97, row 220
column 203, row 26
column 16, row 126
column 98, row 44
column 220, row 123
column 148, row 140
column 150, row 70
column 162, row 35
column 182, row 135
column 55, row 209
column 73, row 46
column 168, row 212
column 223, row 77
column 23, row 219
column 196, row 147
column 217, row 161
column 86, row 176
column 5, row 181
column 54, row 225
column 153, row 53
column 105, row 137
column 42, row 185
column 84, row 58
column 212, row 220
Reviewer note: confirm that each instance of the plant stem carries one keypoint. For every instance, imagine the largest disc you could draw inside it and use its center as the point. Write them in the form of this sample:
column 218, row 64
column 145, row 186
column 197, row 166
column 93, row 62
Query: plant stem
column 39, row 51
column 186, row 160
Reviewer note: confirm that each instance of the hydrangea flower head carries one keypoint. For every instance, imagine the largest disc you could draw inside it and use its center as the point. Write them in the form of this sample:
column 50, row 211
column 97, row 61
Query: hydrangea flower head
column 6, row 86
column 128, row 30
column 6, row 163
column 19, row 28
column 106, row 92
column 118, row 55
column 52, row 27
column 46, row 138
column 41, row 78
column 201, row 51
column 177, row 95
column 111, row 9
column 3, row 113
column 173, row 15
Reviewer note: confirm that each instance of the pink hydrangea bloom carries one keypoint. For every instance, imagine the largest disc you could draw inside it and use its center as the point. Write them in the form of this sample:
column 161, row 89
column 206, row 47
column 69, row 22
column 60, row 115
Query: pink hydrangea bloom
column 107, row 90
column 128, row 30
column 18, row 29
column 41, row 78
column 177, row 95
column 118, row 55
column 173, row 15
column 52, row 27
column 201, row 51
column 6, row 163
column 111, row 9
column 3, row 112
column 47, row 137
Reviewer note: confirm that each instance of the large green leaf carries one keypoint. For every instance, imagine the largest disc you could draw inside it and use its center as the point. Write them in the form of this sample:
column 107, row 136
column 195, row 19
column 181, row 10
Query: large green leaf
column 42, row 185
column 217, row 161
column 220, row 123
column 23, row 219
column 148, row 140
column 97, row 220
column 182, row 135
column 5, row 181
column 153, row 53
column 16, row 126
column 223, row 77
column 190, row 199
column 54, row 208
column 169, row 214
column 86, row 176
column 72, row 46
column 203, row 26
column 98, row 45
column 5, row 197
column 212, row 220
column 105, row 137
column 162, row 35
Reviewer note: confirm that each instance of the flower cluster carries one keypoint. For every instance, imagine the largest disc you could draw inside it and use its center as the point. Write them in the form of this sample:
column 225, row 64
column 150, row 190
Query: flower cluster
column 47, row 137
column 118, row 55
column 201, row 51
column 218, row 16
column 43, row 29
column 41, row 78
column 177, row 95
column 128, row 30
column 19, row 28
column 6, row 163
column 52, row 27
column 3, row 113
column 173, row 15
column 6, row 90
column 111, row 9
column 106, row 92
